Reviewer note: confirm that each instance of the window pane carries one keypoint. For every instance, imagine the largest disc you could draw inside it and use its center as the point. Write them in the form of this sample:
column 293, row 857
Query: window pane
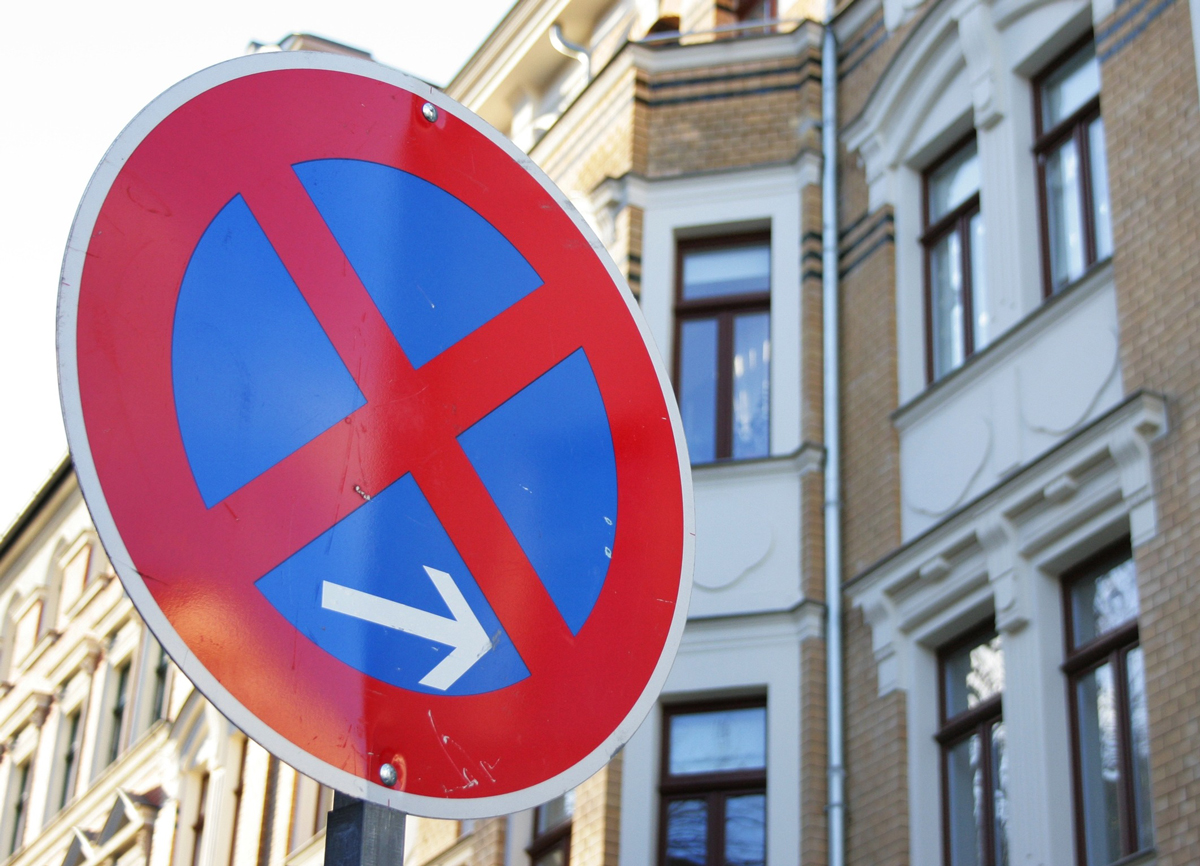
column 954, row 181
column 973, row 674
column 1098, row 763
column 554, row 857
column 719, row 741
column 698, row 387
column 965, row 804
column 999, row 797
column 746, row 830
column 1070, row 86
column 980, row 309
column 945, row 275
column 1139, row 725
column 751, row 384
column 1101, row 214
column 687, row 833
column 555, row 812
column 1100, row 604
column 730, row 271
column 1063, row 211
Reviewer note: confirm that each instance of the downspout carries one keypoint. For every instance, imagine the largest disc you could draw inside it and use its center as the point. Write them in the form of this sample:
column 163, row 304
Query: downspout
column 571, row 49
column 835, row 810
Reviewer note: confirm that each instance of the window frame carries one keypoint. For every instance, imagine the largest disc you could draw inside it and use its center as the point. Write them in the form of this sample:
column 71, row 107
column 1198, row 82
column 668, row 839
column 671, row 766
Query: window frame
column 20, row 793
column 1110, row 647
column 69, row 758
column 957, row 729
column 1046, row 142
column 119, row 710
column 716, row 787
column 553, row 838
column 956, row 220
column 723, row 308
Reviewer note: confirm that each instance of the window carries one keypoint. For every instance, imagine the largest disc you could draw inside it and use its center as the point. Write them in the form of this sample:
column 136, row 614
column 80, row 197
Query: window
column 1072, row 167
column 1110, row 729
column 974, row 766
column 198, row 824
column 69, row 747
column 551, row 845
column 311, row 802
column 738, row 11
column 723, row 346
column 120, row 703
column 755, row 10
column 74, row 578
column 159, row 705
column 714, row 785
column 957, row 321
column 18, row 803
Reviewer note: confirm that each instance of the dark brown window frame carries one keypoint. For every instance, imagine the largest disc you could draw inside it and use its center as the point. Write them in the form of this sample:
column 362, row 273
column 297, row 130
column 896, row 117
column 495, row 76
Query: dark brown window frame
column 723, row 308
column 119, row 713
column 954, row 730
column 20, row 804
column 956, row 220
column 1074, row 126
column 556, row 837
column 715, row 787
column 1111, row 647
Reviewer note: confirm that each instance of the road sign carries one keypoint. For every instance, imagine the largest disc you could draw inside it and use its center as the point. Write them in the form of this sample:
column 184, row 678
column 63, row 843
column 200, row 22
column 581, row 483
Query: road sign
column 374, row 435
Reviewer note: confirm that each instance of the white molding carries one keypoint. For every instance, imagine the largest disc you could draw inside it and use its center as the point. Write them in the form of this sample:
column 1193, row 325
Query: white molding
column 1087, row 491
column 662, row 58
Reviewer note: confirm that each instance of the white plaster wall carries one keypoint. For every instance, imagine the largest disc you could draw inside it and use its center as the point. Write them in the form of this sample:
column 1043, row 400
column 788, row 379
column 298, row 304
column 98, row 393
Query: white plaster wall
column 1058, row 371
column 747, row 543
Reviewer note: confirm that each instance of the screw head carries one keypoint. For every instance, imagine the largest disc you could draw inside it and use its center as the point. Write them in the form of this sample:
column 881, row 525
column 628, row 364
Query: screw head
column 387, row 775
column 430, row 111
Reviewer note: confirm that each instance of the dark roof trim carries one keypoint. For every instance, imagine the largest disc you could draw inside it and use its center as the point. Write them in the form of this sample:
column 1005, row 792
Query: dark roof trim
column 26, row 517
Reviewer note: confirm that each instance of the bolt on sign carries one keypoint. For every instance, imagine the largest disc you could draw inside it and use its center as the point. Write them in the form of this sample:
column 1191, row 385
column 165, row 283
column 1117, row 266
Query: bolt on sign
column 375, row 435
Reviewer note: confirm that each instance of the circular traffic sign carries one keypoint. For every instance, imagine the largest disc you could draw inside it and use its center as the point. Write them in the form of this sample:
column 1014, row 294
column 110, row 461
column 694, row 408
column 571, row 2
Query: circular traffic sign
column 374, row 434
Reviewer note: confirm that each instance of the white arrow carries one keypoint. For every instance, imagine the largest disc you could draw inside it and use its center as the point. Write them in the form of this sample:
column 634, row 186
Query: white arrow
column 460, row 630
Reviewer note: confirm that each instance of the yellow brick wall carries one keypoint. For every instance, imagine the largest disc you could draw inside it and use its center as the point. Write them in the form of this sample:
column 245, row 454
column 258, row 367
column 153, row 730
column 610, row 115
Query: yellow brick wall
column 1151, row 115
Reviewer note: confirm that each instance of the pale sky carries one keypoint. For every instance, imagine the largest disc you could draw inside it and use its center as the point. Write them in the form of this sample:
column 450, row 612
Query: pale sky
column 73, row 74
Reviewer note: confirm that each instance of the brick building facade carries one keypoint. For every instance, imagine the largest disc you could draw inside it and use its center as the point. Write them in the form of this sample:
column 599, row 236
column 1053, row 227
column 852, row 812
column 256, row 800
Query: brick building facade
column 1017, row 198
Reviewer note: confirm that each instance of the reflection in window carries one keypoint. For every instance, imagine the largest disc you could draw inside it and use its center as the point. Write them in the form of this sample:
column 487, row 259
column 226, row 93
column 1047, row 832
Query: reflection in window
column 974, row 759
column 714, row 804
column 958, row 318
column 1072, row 167
column 723, row 347
column 1108, row 710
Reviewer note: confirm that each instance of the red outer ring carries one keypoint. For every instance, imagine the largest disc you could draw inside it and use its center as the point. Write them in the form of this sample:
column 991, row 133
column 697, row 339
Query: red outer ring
column 200, row 565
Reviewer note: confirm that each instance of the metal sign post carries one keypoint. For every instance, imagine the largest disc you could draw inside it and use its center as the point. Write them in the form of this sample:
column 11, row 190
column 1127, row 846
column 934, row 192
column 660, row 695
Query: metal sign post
column 363, row 834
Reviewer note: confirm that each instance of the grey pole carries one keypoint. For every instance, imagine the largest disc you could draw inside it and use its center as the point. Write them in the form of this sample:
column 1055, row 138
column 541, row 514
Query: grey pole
column 363, row 834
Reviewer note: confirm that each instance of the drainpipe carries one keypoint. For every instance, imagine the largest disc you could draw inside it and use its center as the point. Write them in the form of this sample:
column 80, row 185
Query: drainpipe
column 835, row 811
column 571, row 49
